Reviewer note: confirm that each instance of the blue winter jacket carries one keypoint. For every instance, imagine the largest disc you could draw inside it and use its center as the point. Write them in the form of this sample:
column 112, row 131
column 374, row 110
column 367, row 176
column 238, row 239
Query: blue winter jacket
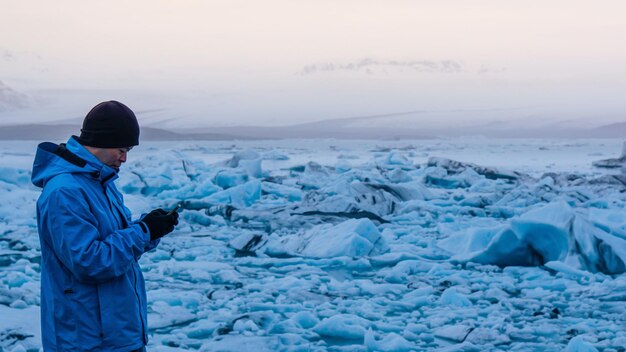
column 93, row 295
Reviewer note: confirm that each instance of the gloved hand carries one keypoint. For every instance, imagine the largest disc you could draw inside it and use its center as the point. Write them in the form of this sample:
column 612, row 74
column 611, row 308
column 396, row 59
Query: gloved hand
column 160, row 223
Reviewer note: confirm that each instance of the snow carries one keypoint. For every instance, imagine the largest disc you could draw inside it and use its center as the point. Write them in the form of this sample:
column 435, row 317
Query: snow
column 316, row 245
column 17, row 331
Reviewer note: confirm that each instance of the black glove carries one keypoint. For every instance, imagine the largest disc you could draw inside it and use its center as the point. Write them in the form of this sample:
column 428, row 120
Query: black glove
column 160, row 223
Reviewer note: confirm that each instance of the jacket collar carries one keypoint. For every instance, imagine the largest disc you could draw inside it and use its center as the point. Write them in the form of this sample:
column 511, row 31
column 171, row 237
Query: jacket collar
column 103, row 173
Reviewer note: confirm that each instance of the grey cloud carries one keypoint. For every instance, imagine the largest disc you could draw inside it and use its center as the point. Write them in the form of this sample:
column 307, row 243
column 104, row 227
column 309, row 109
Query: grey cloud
column 21, row 56
column 483, row 69
column 12, row 99
column 6, row 55
column 371, row 66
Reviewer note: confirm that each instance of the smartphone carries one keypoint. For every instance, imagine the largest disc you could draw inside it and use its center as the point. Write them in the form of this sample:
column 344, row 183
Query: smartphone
column 174, row 209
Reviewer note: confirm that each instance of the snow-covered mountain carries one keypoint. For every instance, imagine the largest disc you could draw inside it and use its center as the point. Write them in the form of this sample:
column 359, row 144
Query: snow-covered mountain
column 169, row 123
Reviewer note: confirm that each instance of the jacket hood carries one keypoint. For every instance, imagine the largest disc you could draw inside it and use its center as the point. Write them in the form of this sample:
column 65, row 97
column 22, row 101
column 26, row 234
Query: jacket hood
column 52, row 160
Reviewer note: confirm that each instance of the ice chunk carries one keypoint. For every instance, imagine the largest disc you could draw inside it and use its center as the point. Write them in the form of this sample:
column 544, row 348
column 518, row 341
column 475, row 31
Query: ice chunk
column 390, row 343
column 567, row 270
column 455, row 167
column 247, row 160
column 305, row 320
column 578, row 344
column 192, row 190
column 403, row 269
column 236, row 343
column 402, row 192
column 252, row 167
column 348, row 156
column 15, row 279
column 395, row 158
column 451, row 297
column 239, row 196
column 398, row 175
column 343, row 326
column 19, row 327
column 554, row 232
column 463, row 179
column 190, row 300
column 600, row 249
column 163, row 315
column 230, row 178
column 342, row 166
column 484, row 336
column 380, row 199
column 243, row 325
column 202, row 329
column 275, row 155
column 456, row 333
column 191, row 170
column 246, row 243
column 354, row 238
column 313, row 175
column 290, row 193
column 154, row 181
column 14, row 176
column 535, row 238
column 545, row 230
column 614, row 162
column 247, row 154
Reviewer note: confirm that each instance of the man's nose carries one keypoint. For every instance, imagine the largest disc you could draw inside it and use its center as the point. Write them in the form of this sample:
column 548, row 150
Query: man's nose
column 123, row 157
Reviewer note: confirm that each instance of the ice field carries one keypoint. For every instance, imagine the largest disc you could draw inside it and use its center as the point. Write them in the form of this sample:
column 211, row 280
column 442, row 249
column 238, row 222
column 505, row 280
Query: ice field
column 330, row 245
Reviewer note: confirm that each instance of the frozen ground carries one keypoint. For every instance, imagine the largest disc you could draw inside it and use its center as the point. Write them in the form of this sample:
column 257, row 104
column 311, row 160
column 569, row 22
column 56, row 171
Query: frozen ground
column 446, row 245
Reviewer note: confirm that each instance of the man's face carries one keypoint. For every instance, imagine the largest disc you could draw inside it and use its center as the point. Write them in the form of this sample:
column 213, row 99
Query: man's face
column 113, row 157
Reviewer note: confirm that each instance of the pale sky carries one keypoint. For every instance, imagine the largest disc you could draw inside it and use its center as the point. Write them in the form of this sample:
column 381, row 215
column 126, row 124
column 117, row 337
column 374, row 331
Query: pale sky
column 280, row 62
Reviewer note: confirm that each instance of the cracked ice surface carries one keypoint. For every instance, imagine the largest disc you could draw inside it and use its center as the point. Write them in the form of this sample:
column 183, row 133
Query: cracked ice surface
column 457, row 245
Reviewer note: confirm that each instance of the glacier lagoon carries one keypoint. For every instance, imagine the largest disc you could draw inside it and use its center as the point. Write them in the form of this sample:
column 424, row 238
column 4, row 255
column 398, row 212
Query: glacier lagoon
column 465, row 244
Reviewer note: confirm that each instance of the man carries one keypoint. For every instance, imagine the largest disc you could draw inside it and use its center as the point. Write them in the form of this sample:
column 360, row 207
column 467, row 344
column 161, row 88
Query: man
column 93, row 296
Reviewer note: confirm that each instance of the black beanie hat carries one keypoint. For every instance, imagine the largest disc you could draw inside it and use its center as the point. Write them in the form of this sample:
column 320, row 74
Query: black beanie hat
column 110, row 124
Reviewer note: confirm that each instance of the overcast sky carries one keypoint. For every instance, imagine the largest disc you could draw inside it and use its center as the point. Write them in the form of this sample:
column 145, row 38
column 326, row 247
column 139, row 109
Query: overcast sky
column 279, row 62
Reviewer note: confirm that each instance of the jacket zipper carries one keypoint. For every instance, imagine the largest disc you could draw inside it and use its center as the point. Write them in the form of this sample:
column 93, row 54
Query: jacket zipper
column 122, row 218
column 143, row 325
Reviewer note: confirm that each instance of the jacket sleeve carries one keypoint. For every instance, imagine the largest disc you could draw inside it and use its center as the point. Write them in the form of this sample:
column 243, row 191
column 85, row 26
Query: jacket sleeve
column 75, row 239
column 151, row 244
column 127, row 213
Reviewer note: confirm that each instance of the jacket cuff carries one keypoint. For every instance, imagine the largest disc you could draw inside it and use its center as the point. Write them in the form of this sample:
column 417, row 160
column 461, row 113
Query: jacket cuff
column 143, row 229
